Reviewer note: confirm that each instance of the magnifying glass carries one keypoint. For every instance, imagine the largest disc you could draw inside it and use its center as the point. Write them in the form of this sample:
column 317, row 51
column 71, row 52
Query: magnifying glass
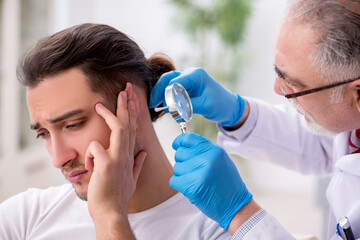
column 179, row 105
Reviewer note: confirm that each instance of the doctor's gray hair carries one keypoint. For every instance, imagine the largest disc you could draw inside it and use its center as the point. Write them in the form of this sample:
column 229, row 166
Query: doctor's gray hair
column 336, row 55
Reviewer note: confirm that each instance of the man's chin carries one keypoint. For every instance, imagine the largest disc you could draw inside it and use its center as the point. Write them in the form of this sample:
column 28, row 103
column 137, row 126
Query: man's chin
column 81, row 191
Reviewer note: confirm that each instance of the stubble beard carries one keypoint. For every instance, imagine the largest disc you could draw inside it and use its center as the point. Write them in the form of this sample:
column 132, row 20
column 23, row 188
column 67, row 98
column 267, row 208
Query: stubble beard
column 81, row 195
column 310, row 123
column 76, row 164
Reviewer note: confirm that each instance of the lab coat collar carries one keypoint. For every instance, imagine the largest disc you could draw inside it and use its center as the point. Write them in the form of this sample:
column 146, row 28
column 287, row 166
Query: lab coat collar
column 341, row 143
column 346, row 162
column 350, row 163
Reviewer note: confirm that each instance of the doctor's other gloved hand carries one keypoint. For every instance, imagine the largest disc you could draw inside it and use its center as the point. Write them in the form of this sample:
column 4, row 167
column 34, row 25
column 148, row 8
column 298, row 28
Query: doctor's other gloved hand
column 205, row 174
column 208, row 97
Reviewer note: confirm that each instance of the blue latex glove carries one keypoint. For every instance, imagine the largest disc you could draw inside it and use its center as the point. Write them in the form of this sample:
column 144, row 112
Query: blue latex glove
column 208, row 97
column 205, row 174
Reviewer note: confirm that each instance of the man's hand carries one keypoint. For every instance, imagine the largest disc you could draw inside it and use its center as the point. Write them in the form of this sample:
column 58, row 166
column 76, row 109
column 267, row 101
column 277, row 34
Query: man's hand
column 208, row 97
column 115, row 171
column 206, row 175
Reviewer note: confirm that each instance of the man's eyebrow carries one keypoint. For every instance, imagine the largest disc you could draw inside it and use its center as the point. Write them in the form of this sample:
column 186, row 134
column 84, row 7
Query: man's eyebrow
column 58, row 119
column 286, row 77
column 34, row 126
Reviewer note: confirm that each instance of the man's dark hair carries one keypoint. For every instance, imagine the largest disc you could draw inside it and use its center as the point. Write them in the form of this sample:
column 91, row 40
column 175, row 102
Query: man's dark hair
column 108, row 58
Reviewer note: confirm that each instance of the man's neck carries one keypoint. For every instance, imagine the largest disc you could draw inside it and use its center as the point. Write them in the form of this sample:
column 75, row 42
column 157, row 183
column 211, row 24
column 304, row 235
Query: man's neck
column 153, row 184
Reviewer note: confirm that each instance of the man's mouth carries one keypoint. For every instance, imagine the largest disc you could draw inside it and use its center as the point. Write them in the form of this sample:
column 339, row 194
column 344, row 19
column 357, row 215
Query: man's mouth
column 75, row 176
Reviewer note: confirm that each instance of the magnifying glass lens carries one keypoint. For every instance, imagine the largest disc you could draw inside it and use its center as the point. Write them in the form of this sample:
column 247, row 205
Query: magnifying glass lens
column 179, row 104
column 182, row 103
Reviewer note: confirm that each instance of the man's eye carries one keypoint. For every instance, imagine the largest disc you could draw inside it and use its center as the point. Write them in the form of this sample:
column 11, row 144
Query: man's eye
column 75, row 125
column 42, row 135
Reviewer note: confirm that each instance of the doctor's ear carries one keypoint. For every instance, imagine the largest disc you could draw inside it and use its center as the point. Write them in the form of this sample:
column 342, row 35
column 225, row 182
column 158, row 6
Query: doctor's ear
column 356, row 92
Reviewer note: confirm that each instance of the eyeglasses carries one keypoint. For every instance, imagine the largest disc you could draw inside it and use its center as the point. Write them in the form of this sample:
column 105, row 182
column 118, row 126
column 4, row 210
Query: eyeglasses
column 288, row 92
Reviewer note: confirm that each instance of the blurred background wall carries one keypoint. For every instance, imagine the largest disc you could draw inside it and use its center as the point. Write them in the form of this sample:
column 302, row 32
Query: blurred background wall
column 298, row 202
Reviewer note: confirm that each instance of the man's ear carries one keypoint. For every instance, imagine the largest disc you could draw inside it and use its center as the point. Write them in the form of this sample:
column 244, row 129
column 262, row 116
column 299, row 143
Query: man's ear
column 356, row 92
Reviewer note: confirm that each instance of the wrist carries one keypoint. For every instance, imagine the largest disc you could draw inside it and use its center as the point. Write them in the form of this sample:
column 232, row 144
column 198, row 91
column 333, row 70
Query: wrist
column 243, row 215
column 113, row 227
column 242, row 119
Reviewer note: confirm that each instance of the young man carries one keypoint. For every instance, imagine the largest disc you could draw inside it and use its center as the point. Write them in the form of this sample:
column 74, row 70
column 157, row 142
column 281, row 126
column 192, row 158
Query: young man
column 317, row 61
column 106, row 148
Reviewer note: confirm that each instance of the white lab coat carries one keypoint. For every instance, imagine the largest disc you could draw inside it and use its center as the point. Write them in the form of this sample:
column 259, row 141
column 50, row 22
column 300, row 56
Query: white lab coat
column 279, row 137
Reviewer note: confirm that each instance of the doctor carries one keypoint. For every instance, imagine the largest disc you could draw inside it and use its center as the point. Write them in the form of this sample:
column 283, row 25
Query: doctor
column 317, row 62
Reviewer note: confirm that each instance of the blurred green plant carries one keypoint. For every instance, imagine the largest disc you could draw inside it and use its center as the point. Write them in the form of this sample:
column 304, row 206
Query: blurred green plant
column 205, row 21
column 226, row 17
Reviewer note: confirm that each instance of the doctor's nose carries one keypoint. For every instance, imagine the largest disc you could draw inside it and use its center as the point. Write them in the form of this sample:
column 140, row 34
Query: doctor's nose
column 61, row 152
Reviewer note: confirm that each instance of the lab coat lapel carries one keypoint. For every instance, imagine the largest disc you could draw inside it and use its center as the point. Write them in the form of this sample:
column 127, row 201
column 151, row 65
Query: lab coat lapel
column 343, row 192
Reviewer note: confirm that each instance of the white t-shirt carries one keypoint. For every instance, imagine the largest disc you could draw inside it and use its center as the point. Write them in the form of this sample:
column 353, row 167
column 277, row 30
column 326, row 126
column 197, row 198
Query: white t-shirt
column 57, row 213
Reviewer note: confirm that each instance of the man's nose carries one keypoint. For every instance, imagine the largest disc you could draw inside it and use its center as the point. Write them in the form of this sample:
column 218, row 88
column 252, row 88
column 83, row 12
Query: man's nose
column 61, row 152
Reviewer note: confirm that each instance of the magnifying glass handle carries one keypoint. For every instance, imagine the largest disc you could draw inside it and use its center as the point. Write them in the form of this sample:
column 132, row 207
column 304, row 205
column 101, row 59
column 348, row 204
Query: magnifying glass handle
column 183, row 127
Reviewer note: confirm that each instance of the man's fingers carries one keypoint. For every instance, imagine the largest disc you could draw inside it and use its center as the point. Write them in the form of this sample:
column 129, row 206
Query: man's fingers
column 122, row 108
column 94, row 151
column 118, row 124
column 122, row 116
column 110, row 119
column 122, row 102
column 133, row 111
column 130, row 91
